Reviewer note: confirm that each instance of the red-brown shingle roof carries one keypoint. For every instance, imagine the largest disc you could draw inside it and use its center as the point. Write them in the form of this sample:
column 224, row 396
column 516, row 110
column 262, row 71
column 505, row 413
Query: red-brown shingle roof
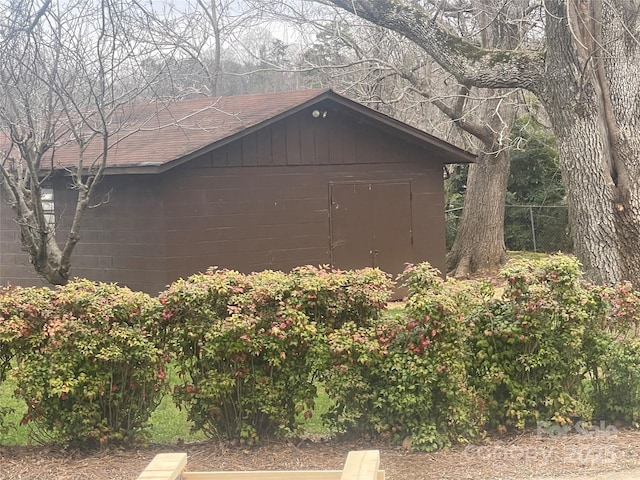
column 155, row 137
column 156, row 134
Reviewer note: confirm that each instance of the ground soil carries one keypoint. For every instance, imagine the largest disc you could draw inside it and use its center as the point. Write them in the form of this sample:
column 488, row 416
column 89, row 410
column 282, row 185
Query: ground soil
column 603, row 455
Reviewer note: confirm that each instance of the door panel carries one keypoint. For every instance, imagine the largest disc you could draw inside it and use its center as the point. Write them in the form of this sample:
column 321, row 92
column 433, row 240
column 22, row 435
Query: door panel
column 391, row 207
column 371, row 225
column 351, row 226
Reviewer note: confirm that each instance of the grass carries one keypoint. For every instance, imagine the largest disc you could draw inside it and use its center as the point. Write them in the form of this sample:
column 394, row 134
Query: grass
column 314, row 425
column 168, row 424
column 394, row 311
column 514, row 255
column 11, row 432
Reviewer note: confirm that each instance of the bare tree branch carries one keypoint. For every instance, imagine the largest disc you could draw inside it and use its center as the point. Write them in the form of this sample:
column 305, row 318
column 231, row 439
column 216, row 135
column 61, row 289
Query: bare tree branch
column 471, row 64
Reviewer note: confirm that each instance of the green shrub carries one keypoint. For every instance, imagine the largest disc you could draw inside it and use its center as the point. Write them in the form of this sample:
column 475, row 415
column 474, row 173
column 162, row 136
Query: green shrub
column 22, row 315
column 241, row 352
column 529, row 355
column 247, row 345
column 406, row 377
column 333, row 297
column 96, row 377
column 614, row 355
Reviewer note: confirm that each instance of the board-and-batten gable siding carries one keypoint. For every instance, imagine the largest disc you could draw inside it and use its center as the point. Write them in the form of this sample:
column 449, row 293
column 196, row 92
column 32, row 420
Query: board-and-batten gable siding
column 226, row 211
column 301, row 139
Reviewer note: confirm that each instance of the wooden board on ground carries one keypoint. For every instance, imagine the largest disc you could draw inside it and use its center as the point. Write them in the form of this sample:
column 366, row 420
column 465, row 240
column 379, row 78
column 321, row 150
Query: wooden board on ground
column 360, row 465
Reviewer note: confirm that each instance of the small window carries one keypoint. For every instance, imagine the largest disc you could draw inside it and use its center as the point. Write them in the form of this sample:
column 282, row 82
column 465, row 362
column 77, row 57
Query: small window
column 48, row 207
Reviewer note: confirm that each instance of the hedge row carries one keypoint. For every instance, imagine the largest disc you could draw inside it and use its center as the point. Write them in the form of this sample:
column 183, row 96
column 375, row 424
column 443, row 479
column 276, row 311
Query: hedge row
column 250, row 350
column 91, row 359
column 466, row 358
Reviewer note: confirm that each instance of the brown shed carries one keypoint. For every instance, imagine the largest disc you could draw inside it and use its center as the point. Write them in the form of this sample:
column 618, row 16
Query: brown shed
column 254, row 182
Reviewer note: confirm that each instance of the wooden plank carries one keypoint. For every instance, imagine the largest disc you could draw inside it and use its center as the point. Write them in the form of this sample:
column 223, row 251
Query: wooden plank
column 165, row 466
column 234, row 155
column 270, row 475
column 265, row 475
column 265, row 153
column 321, row 132
column 250, row 150
column 307, row 145
column 361, row 465
column 292, row 126
column 279, row 143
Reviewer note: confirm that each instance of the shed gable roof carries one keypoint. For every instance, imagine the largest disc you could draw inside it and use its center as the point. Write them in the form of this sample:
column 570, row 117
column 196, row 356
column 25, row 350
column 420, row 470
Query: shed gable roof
column 155, row 137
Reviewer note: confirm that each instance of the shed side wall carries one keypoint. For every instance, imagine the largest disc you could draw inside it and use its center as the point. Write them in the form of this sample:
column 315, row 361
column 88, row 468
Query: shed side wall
column 258, row 218
column 122, row 239
column 15, row 268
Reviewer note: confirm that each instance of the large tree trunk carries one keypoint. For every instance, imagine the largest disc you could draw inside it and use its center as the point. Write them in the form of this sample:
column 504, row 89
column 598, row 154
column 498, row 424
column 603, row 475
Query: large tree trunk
column 592, row 97
column 479, row 244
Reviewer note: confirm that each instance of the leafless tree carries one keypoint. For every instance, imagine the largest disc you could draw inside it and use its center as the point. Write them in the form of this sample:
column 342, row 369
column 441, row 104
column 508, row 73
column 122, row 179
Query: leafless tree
column 212, row 47
column 68, row 71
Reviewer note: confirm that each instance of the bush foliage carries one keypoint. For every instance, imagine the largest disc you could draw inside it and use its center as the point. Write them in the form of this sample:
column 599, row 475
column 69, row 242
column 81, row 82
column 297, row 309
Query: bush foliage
column 528, row 345
column 406, row 378
column 250, row 351
column 246, row 345
column 547, row 348
column 91, row 373
column 23, row 313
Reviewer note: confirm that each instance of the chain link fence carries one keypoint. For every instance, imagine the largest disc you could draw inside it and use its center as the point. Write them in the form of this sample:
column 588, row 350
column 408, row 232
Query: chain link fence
column 532, row 228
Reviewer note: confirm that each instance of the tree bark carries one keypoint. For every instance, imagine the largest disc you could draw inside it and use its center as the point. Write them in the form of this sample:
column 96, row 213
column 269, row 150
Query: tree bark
column 479, row 244
column 589, row 82
column 593, row 102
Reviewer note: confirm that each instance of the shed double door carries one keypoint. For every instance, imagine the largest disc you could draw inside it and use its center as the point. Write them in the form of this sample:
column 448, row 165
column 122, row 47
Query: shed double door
column 371, row 225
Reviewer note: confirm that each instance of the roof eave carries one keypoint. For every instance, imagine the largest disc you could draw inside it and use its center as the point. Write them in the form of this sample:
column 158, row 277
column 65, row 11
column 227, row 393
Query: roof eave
column 457, row 154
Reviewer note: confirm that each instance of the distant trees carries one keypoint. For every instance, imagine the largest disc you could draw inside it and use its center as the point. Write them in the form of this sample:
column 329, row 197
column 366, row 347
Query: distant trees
column 214, row 47
column 535, row 180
